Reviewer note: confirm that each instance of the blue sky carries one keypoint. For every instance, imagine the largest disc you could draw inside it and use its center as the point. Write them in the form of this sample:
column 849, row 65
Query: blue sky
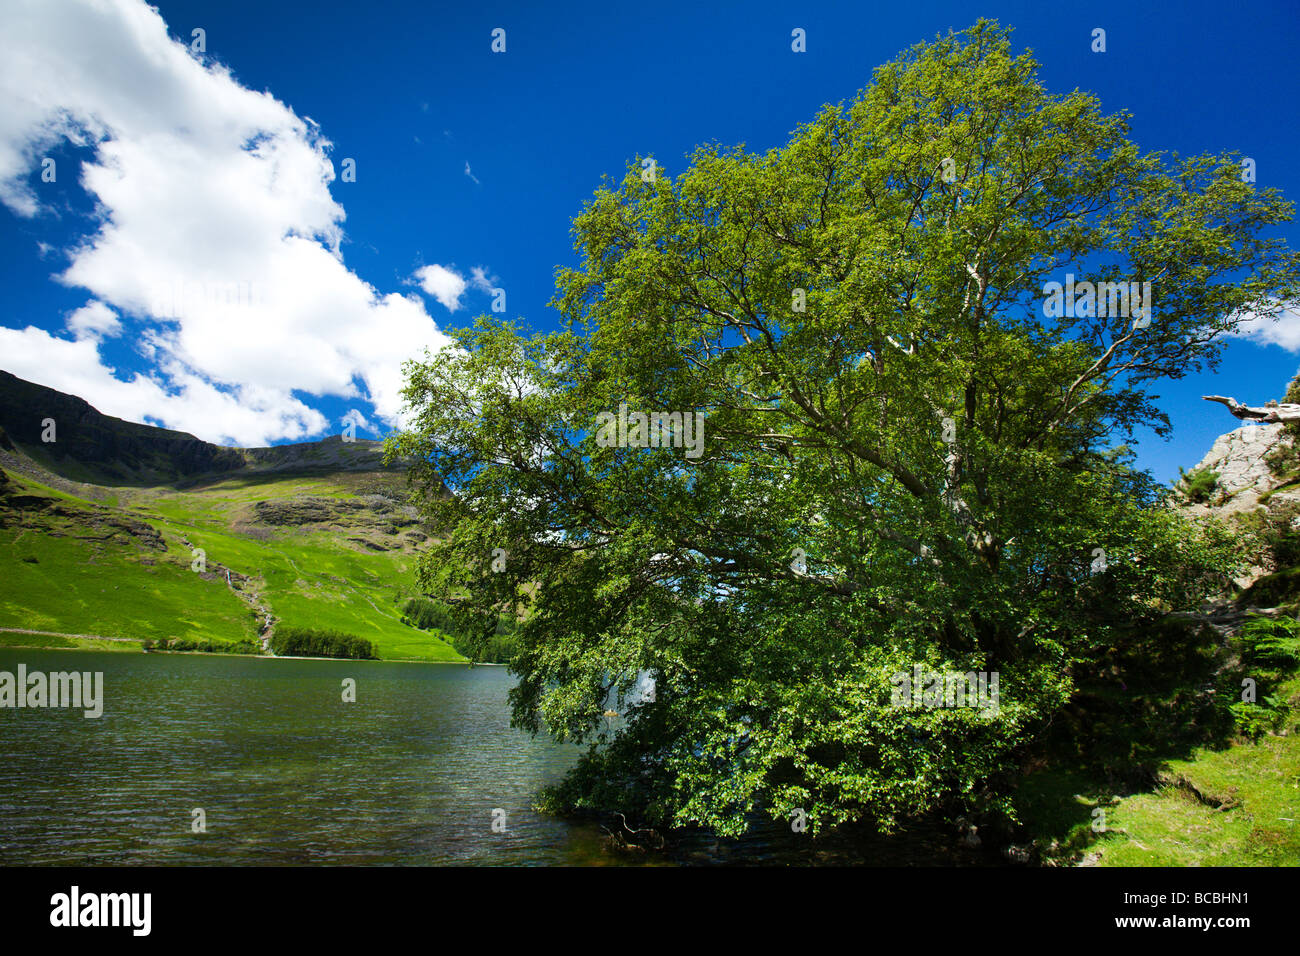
column 473, row 163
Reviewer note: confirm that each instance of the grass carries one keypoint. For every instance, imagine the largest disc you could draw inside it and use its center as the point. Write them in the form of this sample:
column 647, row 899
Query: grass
column 1257, row 787
column 83, row 587
column 1237, row 805
column 50, row 642
column 75, row 573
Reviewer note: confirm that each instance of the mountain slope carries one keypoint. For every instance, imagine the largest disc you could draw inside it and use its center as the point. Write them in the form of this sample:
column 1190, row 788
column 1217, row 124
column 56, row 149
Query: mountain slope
column 124, row 530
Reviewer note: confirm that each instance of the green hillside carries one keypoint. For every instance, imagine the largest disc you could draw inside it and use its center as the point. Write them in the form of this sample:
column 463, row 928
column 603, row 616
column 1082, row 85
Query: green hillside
column 316, row 535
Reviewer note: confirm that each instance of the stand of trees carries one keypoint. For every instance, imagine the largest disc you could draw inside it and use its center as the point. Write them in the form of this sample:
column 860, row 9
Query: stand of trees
column 308, row 642
column 496, row 645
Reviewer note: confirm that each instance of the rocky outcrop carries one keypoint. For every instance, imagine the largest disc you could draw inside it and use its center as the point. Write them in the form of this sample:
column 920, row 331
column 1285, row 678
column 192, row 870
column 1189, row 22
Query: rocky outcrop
column 331, row 454
column 1239, row 458
column 1257, row 487
column 57, row 518
column 303, row 510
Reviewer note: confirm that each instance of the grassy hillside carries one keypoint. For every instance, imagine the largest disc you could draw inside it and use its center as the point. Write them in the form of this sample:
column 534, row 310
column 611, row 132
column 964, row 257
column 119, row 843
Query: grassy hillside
column 1235, row 807
column 1233, row 802
column 313, row 549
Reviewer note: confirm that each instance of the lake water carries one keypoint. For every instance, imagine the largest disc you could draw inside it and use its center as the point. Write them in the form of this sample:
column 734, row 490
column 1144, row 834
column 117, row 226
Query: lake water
column 416, row 771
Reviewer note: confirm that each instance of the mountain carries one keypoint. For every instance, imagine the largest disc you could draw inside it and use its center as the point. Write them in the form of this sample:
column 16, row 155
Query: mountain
column 99, row 448
column 70, row 438
column 114, row 532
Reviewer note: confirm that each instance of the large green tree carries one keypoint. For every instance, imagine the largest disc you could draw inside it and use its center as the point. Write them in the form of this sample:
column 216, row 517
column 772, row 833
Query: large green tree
column 905, row 459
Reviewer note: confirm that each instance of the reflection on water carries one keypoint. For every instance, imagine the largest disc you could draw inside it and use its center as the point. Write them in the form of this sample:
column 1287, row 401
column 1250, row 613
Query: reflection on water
column 414, row 772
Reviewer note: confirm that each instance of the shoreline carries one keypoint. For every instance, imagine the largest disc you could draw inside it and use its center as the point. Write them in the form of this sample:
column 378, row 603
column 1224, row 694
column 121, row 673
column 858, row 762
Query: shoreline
column 138, row 641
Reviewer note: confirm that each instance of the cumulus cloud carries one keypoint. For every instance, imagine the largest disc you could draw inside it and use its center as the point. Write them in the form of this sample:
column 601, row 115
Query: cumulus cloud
column 217, row 243
column 354, row 417
column 189, row 403
column 94, row 320
column 1282, row 330
column 445, row 285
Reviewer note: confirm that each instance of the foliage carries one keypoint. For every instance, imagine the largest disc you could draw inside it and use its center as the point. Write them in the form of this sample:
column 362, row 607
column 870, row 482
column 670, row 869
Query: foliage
column 205, row 646
column 495, row 646
column 1198, row 485
column 1270, row 654
column 1278, row 534
column 308, row 642
column 1273, row 590
column 1284, row 460
column 884, row 393
column 426, row 613
column 1292, row 397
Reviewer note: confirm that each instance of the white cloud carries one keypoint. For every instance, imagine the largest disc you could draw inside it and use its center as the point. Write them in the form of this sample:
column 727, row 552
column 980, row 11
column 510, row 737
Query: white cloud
column 445, row 285
column 470, row 174
column 254, row 417
column 1265, row 330
column 218, row 240
column 355, row 418
column 94, row 320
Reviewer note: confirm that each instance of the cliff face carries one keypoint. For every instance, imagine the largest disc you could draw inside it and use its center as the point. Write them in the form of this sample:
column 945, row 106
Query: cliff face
column 1240, row 459
column 331, row 453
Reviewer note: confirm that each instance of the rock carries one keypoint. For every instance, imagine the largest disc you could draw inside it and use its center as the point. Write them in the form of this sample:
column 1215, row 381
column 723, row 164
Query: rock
column 1239, row 459
column 1018, row 854
column 1247, row 485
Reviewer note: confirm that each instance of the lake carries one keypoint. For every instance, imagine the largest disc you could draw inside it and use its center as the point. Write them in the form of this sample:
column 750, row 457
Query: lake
column 416, row 771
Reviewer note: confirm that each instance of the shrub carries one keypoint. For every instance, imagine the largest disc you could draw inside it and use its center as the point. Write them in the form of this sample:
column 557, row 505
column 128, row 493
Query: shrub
column 1270, row 653
column 203, row 645
column 426, row 613
column 1279, row 536
column 1284, row 460
column 1273, row 590
column 1198, row 485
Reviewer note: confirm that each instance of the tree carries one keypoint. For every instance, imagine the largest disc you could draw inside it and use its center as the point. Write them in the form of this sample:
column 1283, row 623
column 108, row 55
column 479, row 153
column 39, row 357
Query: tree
column 905, row 460
column 1269, row 413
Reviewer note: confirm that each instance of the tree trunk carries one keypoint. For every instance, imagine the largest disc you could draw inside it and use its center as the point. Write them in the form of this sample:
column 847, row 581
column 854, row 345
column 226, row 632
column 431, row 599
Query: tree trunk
column 1270, row 412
